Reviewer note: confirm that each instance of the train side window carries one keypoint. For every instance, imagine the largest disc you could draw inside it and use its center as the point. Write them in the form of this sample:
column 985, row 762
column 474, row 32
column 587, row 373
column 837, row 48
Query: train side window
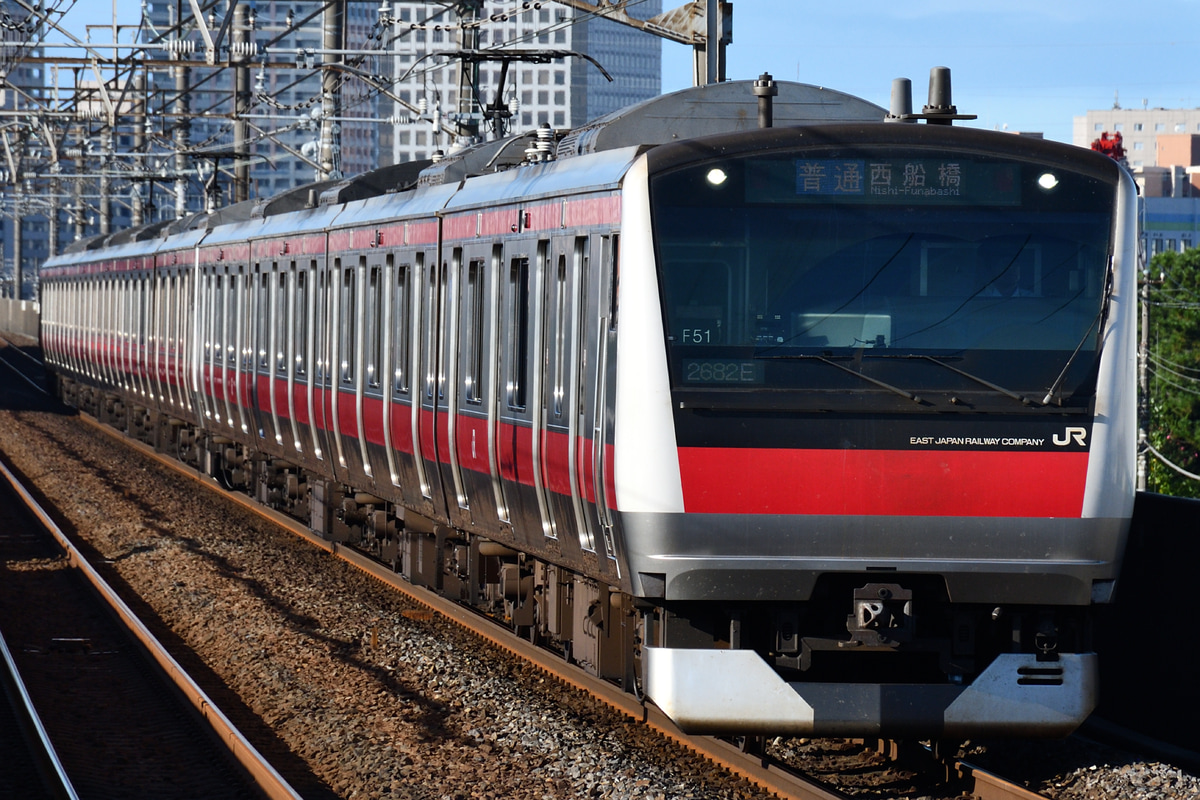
column 429, row 316
column 560, row 332
column 205, row 287
column 614, row 256
column 374, row 332
column 263, row 304
column 401, row 331
column 233, row 320
column 218, row 348
column 300, row 318
column 474, row 338
column 321, row 321
column 444, row 312
column 281, row 322
column 346, row 325
column 517, row 314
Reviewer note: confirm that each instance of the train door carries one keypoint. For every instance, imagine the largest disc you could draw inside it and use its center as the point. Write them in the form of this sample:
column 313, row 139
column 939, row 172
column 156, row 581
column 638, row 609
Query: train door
column 271, row 360
column 373, row 320
column 594, row 260
column 98, row 347
column 216, row 354
column 144, row 333
column 560, row 361
column 207, row 324
column 514, row 429
column 259, row 350
column 490, row 359
column 470, row 420
column 600, row 375
column 431, row 374
column 227, row 352
column 121, row 300
column 347, row 326
column 154, row 288
column 294, row 333
column 240, row 354
column 410, row 332
column 448, row 394
column 322, row 383
column 234, row 337
column 168, row 302
column 306, row 338
column 399, row 333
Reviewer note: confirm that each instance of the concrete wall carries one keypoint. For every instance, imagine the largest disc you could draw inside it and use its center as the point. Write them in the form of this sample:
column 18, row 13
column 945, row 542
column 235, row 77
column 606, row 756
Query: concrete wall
column 19, row 316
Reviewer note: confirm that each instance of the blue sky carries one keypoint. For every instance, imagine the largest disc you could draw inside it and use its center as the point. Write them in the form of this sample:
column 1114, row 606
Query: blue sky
column 1027, row 65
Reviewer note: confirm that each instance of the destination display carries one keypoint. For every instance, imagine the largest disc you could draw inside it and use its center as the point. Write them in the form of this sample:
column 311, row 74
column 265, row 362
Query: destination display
column 920, row 181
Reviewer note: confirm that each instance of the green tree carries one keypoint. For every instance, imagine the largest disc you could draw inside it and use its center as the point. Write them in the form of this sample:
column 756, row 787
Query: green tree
column 1173, row 363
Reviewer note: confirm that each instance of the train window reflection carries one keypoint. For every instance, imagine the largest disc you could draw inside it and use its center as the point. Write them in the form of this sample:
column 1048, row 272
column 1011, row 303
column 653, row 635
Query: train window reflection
column 764, row 268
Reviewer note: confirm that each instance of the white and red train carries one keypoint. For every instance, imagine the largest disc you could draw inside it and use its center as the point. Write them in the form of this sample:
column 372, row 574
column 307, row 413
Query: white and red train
column 821, row 429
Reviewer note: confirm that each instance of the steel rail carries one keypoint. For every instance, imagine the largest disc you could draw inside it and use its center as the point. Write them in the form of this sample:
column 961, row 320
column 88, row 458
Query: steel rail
column 264, row 775
column 46, row 752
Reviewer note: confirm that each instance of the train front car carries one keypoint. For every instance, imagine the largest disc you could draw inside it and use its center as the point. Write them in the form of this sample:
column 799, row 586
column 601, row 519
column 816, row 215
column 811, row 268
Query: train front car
column 874, row 428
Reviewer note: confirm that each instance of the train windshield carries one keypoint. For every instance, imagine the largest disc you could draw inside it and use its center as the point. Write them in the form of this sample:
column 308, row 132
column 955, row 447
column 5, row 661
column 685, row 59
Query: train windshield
column 917, row 270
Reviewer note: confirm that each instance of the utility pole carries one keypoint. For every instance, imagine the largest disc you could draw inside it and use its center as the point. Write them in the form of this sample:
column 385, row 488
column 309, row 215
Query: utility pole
column 53, row 232
column 1143, row 382
column 241, row 101
column 106, row 163
column 182, row 131
column 137, row 211
column 469, row 117
column 80, row 213
column 333, row 20
column 18, row 241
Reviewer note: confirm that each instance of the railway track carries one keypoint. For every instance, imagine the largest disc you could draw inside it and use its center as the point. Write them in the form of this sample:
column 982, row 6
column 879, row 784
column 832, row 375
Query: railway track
column 116, row 723
column 768, row 775
column 31, row 766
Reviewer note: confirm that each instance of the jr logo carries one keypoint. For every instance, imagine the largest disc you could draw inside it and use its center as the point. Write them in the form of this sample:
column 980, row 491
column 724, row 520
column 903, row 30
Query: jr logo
column 1078, row 434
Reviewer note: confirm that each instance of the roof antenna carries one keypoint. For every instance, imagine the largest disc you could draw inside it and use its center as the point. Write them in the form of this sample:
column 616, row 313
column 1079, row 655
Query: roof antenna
column 901, row 104
column 940, row 111
column 765, row 90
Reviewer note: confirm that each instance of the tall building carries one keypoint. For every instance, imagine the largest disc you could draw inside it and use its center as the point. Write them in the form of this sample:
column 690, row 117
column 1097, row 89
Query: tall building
column 564, row 93
column 1139, row 129
column 400, row 88
column 24, row 213
column 282, row 103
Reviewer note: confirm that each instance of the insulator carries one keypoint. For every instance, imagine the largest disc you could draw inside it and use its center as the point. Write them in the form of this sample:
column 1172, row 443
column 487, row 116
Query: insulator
column 181, row 47
column 545, row 139
column 244, row 49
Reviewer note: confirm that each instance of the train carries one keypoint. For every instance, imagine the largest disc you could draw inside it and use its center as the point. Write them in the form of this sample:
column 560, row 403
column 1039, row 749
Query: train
column 817, row 426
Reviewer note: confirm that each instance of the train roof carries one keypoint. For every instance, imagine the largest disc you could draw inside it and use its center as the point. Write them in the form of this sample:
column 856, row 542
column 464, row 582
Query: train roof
column 727, row 107
column 426, row 187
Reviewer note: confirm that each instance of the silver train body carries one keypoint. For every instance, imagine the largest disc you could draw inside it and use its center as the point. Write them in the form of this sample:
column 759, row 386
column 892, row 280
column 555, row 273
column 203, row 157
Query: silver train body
column 822, row 429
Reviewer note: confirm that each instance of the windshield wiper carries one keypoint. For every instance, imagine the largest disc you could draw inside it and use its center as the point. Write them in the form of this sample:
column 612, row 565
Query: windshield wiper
column 981, row 381
column 1053, row 393
column 882, row 384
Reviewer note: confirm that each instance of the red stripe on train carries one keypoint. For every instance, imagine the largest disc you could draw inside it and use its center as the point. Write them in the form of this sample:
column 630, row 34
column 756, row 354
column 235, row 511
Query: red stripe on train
column 943, row 483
